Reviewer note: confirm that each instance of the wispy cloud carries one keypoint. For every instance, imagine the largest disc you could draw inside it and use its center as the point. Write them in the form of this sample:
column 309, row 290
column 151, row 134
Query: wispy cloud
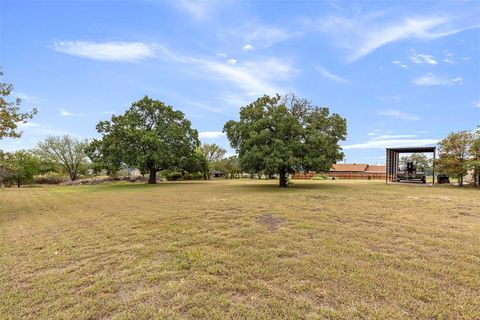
column 399, row 63
column 365, row 33
column 393, row 136
column 398, row 114
column 327, row 74
column 241, row 76
column 422, row 58
column 210, row 134
column 39, row 129
column 107, row 51
column 477, row 104
column 431, row 79
column 25, row 97
column 232, row 61
column 247, row 47
column 197, row 9
column 388, row 143
column 266, row 36
column 65, row 113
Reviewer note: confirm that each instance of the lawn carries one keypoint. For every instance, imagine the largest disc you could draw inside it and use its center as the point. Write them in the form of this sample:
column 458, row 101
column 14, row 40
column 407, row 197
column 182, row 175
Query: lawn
column 240, row 249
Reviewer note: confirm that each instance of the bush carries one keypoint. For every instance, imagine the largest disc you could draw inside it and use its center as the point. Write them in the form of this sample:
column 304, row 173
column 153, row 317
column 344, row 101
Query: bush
column 319, row 177
column 174, row 176
column 105, row 179
column 50, row 178
column 193, row 176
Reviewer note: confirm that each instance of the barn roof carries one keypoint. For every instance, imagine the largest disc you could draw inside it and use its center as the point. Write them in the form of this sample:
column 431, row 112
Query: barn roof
column 349, row 167
column 381, row 169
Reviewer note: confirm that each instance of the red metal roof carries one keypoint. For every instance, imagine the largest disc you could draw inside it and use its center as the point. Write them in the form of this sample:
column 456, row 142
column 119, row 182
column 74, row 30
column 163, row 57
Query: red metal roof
column 349, row 167
column 381, row 169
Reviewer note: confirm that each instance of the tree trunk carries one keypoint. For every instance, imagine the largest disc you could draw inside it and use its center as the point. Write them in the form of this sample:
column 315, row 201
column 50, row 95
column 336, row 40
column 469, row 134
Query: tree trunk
column 460, row 181
column 283, row 177
column 204, row 176
column 152, row 179
column 18, row 183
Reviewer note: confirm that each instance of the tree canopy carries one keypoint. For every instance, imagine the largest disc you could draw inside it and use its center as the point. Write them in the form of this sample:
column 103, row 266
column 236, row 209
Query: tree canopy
column 282, row 135
column 150, row 136
column 20, row 166
column 65, row 151
column 454, row 154
column 10, row 114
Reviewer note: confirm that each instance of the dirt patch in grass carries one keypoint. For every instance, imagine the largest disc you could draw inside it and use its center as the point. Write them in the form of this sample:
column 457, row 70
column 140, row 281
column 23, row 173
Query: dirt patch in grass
column 270, row 221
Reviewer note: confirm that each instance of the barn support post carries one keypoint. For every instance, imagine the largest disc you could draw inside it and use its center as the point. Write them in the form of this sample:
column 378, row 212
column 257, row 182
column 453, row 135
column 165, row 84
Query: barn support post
column 433, row 166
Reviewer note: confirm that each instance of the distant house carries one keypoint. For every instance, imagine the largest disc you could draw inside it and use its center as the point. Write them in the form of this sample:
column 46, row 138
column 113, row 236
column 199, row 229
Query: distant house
column 349, row 171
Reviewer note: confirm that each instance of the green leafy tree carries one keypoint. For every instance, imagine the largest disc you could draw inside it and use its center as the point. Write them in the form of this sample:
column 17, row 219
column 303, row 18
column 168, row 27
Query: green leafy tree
column 213, row 153
column 65, row 151
column 283, row 135
column 150, row 136
column 104, row 155
column 454, row 155
column 4, row 172
column 229, row 166
column 474, row 160
column 420, row 161
column 21, row 166
column 197, row 163
column 10, row 114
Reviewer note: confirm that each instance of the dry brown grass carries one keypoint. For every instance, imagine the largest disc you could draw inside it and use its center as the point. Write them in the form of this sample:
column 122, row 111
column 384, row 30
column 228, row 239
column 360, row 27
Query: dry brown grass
column 240, row 249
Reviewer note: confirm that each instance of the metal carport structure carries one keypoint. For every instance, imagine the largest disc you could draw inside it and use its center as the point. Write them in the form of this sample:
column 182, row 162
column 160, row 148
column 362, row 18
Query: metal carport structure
column 393, row 159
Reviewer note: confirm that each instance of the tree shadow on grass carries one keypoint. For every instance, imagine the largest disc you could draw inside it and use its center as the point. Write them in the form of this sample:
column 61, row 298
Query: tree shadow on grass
column 272, row 185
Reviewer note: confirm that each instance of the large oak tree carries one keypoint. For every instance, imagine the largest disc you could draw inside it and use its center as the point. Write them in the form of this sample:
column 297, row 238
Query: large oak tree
column 283, row 135
column 150, row 136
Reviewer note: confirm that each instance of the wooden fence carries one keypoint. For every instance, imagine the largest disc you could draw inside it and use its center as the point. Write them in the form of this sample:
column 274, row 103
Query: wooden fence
column 343, row 175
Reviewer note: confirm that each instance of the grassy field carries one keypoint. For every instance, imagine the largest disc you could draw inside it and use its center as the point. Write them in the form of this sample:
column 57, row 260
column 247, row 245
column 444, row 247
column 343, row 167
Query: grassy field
column 240, row 249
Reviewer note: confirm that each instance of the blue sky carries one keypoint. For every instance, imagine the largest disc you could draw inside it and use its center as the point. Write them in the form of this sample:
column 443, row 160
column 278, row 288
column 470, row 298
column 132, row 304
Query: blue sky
column 402, row 73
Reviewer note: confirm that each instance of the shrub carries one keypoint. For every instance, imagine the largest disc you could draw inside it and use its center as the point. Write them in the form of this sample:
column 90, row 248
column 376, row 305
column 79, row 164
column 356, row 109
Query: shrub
column 174, row 176
column 319, row 177
column 51, row 178
column 193, row 176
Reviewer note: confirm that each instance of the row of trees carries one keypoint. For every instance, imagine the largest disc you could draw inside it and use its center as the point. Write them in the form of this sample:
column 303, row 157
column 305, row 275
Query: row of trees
column 274, row 135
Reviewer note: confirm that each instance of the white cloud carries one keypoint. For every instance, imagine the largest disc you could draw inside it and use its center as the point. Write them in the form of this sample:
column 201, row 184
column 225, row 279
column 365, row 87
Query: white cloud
column 327, row 74
column 247, row 47
column 423, row 58
column 457, row 80
column 365, row 33
column 198, row 9
column 399, row 63
column 232, row 61
column 38, row 129
column 398, row 114
column 65, row 113
column 268, row 35
column 25, row 97
column 393, row 136
column 222, row 55
column 242, row 77
column 431, row 79
column 391, row 143
column 108, row 112
column 107, row 51
column 210, row 134
column 477, row 104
